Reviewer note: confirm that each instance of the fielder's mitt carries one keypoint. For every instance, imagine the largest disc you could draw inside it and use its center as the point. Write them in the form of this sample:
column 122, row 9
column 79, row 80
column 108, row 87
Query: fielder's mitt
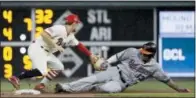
column 101, row 64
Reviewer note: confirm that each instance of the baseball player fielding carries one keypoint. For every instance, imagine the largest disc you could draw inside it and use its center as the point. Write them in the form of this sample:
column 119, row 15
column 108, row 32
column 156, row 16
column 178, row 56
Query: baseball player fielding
column 40, row 51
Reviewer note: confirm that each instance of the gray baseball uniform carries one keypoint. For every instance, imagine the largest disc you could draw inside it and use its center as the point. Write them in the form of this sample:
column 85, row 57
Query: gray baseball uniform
column 129, row 71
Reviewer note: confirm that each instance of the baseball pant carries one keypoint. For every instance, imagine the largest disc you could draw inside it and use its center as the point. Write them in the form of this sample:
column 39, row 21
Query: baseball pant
column 42, row 60
column 106, row 81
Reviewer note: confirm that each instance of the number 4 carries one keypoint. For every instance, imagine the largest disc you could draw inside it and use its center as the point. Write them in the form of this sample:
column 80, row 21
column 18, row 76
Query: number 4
column 7, row 15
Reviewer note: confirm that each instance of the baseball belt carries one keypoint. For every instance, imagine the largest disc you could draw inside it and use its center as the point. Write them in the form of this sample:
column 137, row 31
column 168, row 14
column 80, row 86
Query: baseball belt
column 41, row 47
column 121, row 77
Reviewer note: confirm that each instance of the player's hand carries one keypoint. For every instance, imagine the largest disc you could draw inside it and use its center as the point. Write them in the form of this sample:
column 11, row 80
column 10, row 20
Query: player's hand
column 93, row 58
column 60, row 48
column 183, row 90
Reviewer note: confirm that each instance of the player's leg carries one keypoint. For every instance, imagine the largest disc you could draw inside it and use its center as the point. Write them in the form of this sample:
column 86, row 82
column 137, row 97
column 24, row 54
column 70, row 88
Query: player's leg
column 81, row 85
column 113, row 86
column 55, row 66
column 38, row 57
column 87, row 83
column 109, row 87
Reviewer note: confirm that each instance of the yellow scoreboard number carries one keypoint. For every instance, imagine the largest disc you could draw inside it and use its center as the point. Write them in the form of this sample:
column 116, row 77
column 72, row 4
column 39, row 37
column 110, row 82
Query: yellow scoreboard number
column 27, row 62
column 7, row 70
column 7, row 53
column 28, row 21
column 7, row 56
column 42, row 16
column 7, row 14
column 7, row 31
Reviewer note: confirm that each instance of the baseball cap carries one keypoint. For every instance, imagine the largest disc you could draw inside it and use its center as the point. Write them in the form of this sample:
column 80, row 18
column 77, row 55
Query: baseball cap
column 72, row 18
column 144, row 51
column 148, row 49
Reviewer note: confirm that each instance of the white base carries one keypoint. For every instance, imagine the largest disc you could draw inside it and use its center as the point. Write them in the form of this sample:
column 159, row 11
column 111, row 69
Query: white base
column 27, row 91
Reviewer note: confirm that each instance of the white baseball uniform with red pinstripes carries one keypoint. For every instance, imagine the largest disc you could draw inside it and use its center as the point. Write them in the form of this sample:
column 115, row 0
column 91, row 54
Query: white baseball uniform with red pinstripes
column 42, row 55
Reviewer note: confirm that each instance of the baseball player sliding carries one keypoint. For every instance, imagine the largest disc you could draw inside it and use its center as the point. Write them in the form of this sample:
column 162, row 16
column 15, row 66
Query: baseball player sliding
column 134, row 65
column 41, row 50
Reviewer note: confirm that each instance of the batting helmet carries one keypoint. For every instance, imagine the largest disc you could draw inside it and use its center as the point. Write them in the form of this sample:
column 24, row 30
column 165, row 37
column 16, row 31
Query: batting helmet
column 72, row 18
column 149, row 49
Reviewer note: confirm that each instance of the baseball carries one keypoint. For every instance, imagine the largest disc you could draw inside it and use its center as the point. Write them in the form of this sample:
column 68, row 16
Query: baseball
column 98, row 64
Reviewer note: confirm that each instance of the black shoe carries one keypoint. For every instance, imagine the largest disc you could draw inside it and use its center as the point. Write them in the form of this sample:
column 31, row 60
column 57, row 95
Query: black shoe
column 58, row 88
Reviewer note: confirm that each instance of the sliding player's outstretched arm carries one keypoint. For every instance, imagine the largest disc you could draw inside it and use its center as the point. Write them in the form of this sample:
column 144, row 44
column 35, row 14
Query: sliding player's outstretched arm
column 174, row 86
column 161, row 76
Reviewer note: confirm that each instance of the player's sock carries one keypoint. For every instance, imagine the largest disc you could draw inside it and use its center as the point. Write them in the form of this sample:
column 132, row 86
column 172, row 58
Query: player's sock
column 29, row 74
column 50, row 76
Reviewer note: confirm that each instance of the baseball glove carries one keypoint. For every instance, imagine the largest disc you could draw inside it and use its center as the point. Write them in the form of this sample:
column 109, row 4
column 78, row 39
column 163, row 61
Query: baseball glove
column 101, row 64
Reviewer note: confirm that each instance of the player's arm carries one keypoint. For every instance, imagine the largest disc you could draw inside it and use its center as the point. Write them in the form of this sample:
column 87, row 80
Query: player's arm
column 116, row 57
column 48, row 39
column 79, row 46
column 49, row 33
column 119, row 56
column 174, row 86
column 112, row 59
column 161, row 76
column 84, row 50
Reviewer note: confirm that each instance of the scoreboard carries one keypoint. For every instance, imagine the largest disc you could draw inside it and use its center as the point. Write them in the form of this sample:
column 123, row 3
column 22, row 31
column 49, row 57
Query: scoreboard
column 105, row 31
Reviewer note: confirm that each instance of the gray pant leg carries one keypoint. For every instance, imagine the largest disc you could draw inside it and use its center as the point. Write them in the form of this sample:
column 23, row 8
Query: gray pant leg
column 109, row 87
column 114, row 85
column 81, row 85
column 87, row 83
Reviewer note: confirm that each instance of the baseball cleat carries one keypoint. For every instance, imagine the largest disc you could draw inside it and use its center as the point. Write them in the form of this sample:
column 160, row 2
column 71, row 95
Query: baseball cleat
column 14, row 81
column 58, row 88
